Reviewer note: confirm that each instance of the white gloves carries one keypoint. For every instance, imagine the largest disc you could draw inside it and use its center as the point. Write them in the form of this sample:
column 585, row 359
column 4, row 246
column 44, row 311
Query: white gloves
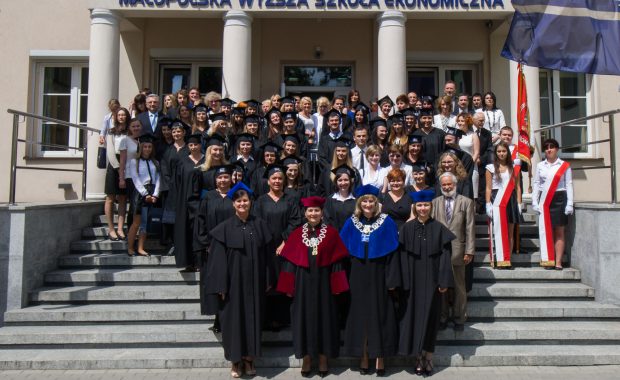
column 490, row 210
column 536, row 208
column 568, row 210
column 520, row 208
column 517, row 161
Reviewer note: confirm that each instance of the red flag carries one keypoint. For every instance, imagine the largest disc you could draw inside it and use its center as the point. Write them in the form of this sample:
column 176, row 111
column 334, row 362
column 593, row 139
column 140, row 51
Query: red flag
column 523, row 118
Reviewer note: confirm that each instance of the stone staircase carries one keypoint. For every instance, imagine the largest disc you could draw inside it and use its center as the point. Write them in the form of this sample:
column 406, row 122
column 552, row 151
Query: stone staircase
column 102, row 309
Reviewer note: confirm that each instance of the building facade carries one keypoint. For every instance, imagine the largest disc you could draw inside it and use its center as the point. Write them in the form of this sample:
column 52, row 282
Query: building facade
column 66, row 58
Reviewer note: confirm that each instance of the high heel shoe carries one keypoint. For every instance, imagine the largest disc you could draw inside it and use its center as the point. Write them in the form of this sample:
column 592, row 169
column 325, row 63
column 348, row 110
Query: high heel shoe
column 364, row 369
column 250, row 370
column 380, row 371
column 121, row 236
column 308, row 371
column 419, row 367
column 428, row 367
column 113, row 238
column 235, row 372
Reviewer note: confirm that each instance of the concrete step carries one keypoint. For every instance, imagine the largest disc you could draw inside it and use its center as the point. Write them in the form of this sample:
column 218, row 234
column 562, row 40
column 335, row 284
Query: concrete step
column 531, row 259
column 528, row 218
column 526, row 242
column 478, row 310
column 280, row 357
column 96, row 232
column 104, row 244
column 488, row 274
column 118, row 293
column 180, row 334
column 535, row 290
column 101, row 220
column 526, row 230
column 121, row 276
column 110, row 259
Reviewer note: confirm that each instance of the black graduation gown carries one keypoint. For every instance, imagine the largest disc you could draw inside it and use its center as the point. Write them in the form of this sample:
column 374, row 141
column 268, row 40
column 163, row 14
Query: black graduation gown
column 326, row 186
column 187, row 198
column 372, row 316
column 213, row 210
column 336, row 212
column 432, row 143
column 168, row 182
column 257, row 183
column 248, row 168
column 399, row 211
column 302, row 191
column 238, row 267
column 425, row 267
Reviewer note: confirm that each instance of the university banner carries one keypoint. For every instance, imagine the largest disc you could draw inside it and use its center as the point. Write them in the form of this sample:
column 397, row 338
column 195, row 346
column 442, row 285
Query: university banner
column 569, row 35
column 523, row 119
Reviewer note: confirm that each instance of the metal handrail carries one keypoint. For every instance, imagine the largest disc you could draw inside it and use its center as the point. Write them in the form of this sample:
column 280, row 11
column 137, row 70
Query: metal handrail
column 610, row 140
column 15, row 140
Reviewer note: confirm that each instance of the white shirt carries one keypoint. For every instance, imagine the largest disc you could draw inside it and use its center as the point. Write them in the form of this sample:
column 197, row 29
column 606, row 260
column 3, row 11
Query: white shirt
column 498, row 183
column 140, row 175
column 405, row 167
column 357, row 158
column 441, row 122
column 131, row 147
column 543, row 174
column 339, row 197
column 107, row 124
column 317, row 118
column 153, row 120
column 494, row 120
column 373, row 179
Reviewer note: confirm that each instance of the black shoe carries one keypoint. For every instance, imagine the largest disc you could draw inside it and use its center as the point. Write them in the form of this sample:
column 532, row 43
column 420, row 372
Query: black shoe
column 443, row 325
column 363, row 371
column 380, row 372
column 170, row 251
column 428, row 368
column 459, row 327
column 419, row 367
column 306, row 373
column 323, row 373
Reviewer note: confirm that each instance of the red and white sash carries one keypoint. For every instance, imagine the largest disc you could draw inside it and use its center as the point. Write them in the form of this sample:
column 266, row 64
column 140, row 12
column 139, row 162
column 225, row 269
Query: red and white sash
column 545, row 229
column 500, row 224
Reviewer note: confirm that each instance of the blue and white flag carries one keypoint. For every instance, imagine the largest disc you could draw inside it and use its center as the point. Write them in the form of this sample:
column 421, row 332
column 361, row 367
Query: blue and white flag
column 569, row 35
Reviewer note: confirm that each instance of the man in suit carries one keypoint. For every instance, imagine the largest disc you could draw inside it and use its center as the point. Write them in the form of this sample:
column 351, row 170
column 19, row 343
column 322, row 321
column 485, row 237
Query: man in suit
column 457, row 213
column 152, row 119
column 462, row 105
column 486, row 156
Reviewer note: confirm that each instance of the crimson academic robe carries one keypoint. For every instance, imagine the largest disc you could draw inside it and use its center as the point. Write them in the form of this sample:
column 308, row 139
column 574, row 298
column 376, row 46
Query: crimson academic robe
column 425, row 267
column 313, row 281
column 238, row 267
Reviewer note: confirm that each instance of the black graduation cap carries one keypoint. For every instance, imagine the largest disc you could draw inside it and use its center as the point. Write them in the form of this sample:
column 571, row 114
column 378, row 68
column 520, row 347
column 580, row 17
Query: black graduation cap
column 251, row 119
column 293, row 137
column 362, row 107
column 223, row 169
column 384, row 99
column 238, row 111
column 397, row 118
column 415, row 139
column 332, row 112
column 289, row 115
column 287, row 100
column 344, row 168
column 147, row 138
column 418, row 167
column 426, row 112
column 457, row 152
column 179, row 124
column 218, row 116
column 270, row 146
column 238, row 166
column 252, row 103
column 274, row 168
column 195, row 138
column 343, row 142
column 165, row 121
column 245, row 137
column 409, row 111
column 272, row 110
column 377, row 121
column 226, row 102
column 200, row 108
column 216, row 139
column 291, row 160
column 454, row 132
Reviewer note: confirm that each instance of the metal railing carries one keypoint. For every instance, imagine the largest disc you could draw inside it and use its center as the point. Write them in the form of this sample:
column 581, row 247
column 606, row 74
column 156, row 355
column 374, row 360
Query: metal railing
column 16, row 121
column 610, row 140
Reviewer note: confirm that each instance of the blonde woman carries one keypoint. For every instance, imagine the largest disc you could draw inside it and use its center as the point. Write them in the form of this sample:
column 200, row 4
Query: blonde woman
column 212, row 100
column 444, row 119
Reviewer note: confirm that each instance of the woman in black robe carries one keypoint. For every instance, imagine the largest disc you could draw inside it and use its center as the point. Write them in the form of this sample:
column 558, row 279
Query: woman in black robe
column 215, row 207
column 340, row 206
column 432, row 138
column 426, row 273
column 295, row 185
column 269, row 153
column 396, row 202
column 283, row 215
column 372, row 240
column 237, row 271
column 187, row 198
column 341, row 156
column 312, row 275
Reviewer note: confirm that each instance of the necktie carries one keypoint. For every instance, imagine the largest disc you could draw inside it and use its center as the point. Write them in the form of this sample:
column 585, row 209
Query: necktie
column 448, row 209
column 153, row 121
column 361, row 159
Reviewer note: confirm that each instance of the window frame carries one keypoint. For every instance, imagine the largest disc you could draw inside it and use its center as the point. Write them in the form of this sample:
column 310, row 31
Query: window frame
column 75, row 95
column 337, row 90
column 555, row 97
column 192, row 64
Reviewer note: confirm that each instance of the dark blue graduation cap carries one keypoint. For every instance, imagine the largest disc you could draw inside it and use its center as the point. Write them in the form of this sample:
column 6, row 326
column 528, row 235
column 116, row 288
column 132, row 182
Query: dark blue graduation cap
column 238, row 186
column 366, row 190
column 422, row 195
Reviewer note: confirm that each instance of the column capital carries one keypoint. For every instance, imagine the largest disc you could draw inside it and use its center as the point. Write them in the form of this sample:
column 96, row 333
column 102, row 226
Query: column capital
column 104, row 16
column 237, row 18
column 391, row 18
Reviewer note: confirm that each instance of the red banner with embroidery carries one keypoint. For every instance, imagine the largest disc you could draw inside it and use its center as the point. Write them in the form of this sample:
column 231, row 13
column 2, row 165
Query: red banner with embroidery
column 523, row 118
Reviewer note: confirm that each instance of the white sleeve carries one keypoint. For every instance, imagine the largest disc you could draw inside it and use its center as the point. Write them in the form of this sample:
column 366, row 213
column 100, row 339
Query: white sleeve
column 137, row 181
column 500, row 119
column 157, row 182
column 106, row 125
column 568, row 178
column 536, row 187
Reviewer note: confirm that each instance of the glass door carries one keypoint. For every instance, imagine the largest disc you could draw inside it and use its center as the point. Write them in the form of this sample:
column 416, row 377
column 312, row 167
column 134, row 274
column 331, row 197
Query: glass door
column 430, row 79
column 423, row 81
column 176, row 76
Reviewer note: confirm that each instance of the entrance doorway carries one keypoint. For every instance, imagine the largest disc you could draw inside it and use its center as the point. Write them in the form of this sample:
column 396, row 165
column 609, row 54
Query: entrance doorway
column 428, row 80
column 176, row 76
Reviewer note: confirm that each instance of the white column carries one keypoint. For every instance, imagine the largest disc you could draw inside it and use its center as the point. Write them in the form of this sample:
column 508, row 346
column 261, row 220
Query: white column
column 237, row 56
column 533, row 103
column 391, row 54
column 102, row 86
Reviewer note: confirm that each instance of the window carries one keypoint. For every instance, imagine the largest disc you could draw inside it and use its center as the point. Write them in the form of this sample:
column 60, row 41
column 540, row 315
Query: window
column 176, row 76
column 61, row 93
column 315, row 81
column 564, row 97
column 429, row 80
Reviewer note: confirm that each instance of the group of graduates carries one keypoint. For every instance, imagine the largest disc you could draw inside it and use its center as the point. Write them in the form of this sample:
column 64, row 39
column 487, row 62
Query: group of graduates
column 322, row 229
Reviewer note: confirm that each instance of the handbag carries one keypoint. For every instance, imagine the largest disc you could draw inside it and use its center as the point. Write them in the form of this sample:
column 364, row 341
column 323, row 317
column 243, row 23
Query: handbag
column 102, row 157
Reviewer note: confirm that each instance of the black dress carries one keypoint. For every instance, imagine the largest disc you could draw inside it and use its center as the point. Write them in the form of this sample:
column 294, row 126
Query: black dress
column 425, row 267
column 169, row 185
column 336, row 212
column 432, row 143
column 187, row 199
column 213, row 210
column 372, row 317
column 238, row 268
column 399, row 211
